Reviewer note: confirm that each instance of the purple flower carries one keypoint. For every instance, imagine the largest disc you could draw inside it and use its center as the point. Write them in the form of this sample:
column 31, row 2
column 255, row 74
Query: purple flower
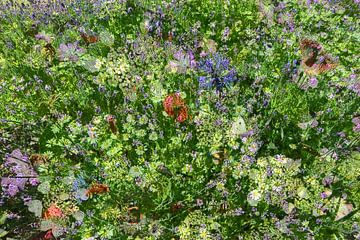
column 199, row 202
column 12, row 190
column 313, row 82
column 314, row 123
column 34, row 181
column 327, row 180
column 353, row 83
column 323, row 195
column 70, row 52
column 183, row 61
column 238, row 212
column 21, row 173
column 41, row 36
column 356, row 122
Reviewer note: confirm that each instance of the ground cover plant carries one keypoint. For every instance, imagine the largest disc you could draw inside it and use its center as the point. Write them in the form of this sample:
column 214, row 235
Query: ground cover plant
column 179, row 119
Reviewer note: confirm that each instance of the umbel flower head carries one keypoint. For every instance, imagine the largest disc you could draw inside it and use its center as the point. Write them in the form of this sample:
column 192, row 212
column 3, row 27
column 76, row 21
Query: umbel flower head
column 175, row 106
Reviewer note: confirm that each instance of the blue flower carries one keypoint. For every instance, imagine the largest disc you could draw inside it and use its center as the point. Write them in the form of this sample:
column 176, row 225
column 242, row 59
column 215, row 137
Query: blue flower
column 218, row 72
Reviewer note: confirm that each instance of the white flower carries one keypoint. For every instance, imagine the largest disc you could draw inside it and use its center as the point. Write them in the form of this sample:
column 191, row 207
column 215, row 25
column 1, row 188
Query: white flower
column 254, row 197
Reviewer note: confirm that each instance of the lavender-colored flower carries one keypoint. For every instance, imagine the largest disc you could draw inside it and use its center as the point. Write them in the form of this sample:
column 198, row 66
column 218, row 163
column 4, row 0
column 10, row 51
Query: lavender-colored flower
column 314, row 123
column 356, row 122
column 21, row 173
column 34, row 181
column 199, row 202
column 354, row 83
column 42, row 36
column 327, row 180
column 313, row 82
column 70, row 52
column 183, row 61
column 238, row 212
column 323, row 195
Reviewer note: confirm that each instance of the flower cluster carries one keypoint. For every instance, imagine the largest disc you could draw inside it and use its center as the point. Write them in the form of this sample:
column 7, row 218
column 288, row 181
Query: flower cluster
column 218, row 72
column 70, row 52
column 20, row 173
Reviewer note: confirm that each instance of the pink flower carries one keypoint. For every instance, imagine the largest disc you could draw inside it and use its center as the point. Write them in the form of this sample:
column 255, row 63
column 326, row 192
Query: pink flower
column 53, row 212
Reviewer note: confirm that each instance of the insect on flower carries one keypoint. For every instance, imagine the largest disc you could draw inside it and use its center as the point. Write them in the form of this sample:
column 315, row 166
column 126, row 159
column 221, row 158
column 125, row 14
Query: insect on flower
column 97, row 188
column 48, row 235
column 175, row 106
column 112, row 123
column 314, row 60
column 134, row 215
column 38, row 159
column 176, row 206
column 49, row 50
column 89, row 38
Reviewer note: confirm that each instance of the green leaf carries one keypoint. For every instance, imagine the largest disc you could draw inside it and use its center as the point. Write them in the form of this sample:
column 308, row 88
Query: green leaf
column 44, row 187
column 3, row 218
column 3, row 233
column 35, row 206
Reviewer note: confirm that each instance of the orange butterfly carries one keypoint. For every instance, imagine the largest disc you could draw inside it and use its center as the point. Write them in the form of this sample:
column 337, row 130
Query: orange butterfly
column 89, row 38
column 38, row 159
column 134, row 215
column 112, row 123
column 97, row 188
column 170, row 36
column 175, row 106
column 314, row 60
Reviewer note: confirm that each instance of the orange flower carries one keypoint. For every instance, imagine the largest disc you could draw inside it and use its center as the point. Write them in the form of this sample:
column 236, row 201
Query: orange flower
column 53, row 212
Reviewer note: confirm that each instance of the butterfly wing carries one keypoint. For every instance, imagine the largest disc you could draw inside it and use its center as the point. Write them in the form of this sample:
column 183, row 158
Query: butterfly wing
column 89, row 38
column 309, row 50
column 314, row 60
column 344, row 210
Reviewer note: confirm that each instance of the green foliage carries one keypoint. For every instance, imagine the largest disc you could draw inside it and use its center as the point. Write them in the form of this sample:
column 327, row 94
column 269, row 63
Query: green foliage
column 271, row 154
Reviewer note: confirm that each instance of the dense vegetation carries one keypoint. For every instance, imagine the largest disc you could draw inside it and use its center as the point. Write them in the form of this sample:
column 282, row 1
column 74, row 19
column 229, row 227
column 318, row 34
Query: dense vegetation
column 182, row 119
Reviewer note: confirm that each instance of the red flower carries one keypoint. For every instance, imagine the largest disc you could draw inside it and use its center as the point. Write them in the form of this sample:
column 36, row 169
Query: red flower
column 49, row 235
column 174, row 106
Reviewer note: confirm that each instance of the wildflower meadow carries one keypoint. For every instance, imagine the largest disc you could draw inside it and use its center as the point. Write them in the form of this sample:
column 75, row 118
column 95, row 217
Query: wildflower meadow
column 179, row 119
